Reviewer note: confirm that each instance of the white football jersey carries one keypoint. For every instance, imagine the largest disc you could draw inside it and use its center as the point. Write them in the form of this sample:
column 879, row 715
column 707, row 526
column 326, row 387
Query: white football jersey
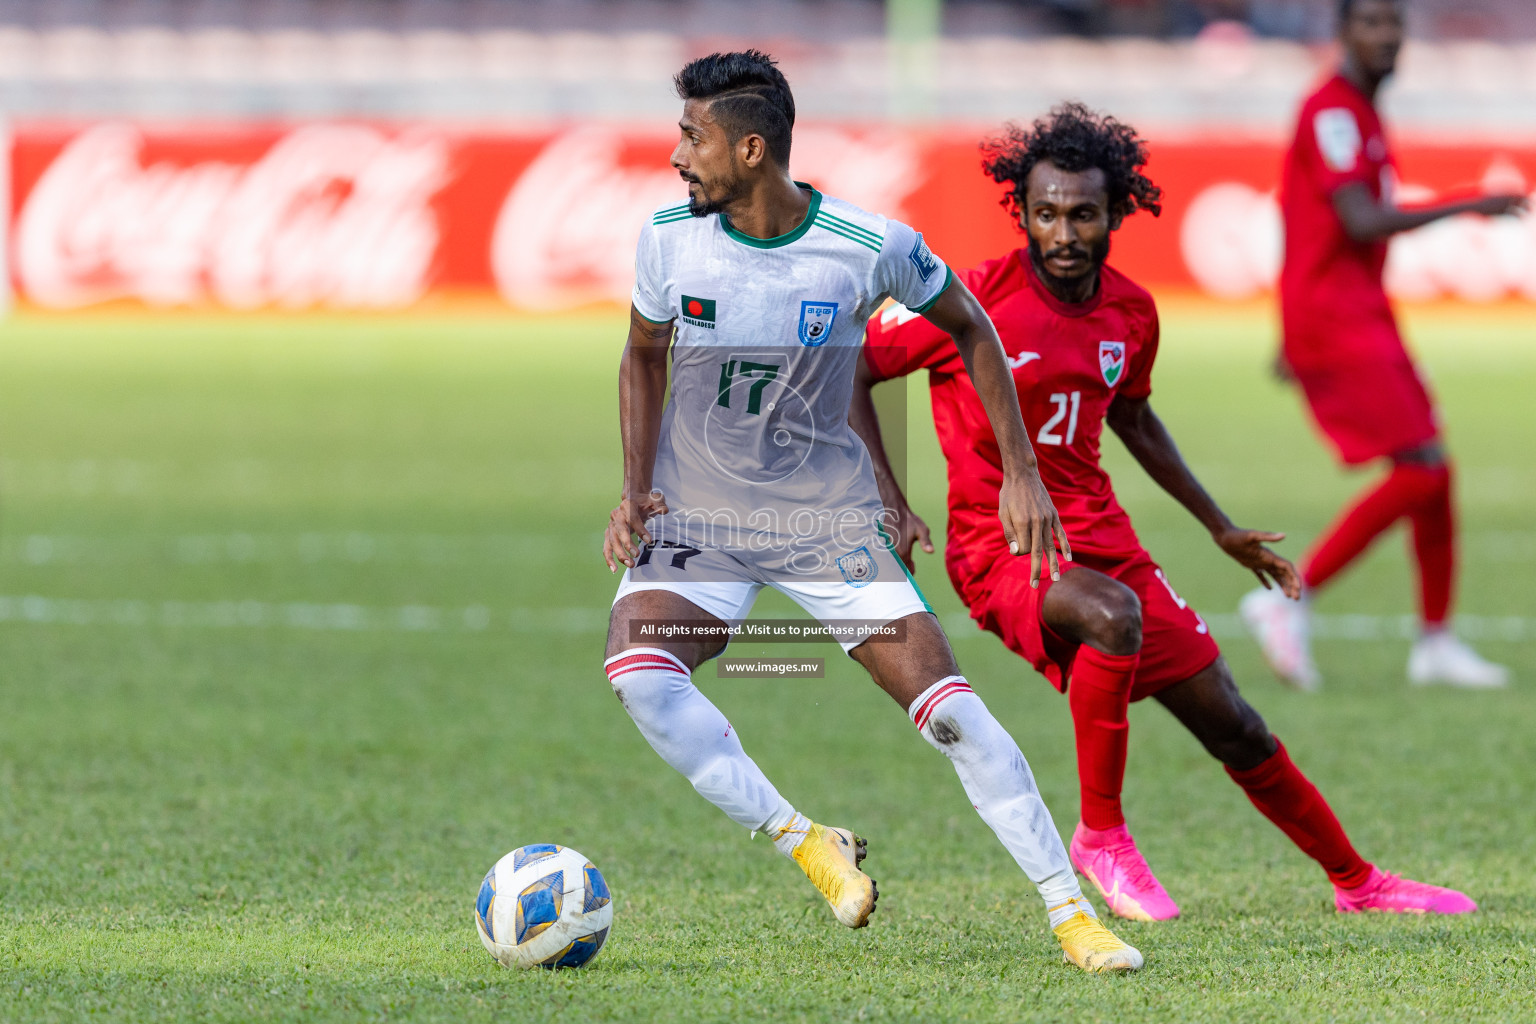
column 768, row 336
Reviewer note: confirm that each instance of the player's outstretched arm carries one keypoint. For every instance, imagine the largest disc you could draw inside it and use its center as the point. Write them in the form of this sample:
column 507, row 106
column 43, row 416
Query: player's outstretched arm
column 1366, row 219
column 905, row 526
column 642, row 393
column 1149, row 442
column 1029, row 517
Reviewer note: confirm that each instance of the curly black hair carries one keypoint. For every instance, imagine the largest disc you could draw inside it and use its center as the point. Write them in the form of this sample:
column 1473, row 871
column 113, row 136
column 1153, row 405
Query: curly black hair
column 1074, row 138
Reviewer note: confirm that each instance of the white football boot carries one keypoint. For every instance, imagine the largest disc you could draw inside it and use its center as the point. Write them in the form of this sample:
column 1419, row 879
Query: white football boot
column 1439, row 657
column 1283, row 629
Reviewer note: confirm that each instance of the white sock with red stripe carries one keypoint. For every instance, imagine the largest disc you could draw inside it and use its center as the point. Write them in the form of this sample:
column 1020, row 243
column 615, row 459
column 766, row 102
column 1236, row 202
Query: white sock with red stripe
column 693, row 736
column 997, row 779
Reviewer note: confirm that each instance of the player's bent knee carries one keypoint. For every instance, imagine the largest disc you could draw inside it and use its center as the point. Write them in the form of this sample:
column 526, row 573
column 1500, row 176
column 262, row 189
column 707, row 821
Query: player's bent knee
column 619, row 628
column 643, row 676
column 1116, row 619
column 904, row 670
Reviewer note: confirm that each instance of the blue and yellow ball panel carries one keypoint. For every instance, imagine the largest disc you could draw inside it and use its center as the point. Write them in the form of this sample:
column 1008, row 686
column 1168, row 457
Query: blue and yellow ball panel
column 538, row 906
column 597, row 890
column 578, row 952
column 529, row 854
column 484, row 903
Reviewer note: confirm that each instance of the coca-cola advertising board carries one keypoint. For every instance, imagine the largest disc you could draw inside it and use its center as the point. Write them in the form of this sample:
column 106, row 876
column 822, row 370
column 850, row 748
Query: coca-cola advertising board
column 349, row 215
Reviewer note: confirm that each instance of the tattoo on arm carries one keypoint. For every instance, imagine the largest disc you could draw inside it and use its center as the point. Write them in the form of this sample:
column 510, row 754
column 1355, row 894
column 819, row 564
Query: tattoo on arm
column 649, row 331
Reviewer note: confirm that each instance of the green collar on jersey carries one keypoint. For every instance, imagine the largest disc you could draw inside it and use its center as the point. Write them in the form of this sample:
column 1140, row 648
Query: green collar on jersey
column 777, row 240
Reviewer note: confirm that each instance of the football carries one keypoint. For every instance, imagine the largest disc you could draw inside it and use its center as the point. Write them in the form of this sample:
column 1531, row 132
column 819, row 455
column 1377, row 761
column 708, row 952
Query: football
column 543, row 906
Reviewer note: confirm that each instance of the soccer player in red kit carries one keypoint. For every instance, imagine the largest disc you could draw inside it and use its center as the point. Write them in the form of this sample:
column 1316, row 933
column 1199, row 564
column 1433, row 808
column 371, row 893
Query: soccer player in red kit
column 1081, row 339
column 1342, row 346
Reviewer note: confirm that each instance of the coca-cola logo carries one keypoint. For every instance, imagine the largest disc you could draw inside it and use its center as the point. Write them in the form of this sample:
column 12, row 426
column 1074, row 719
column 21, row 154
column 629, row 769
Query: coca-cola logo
column 1232, row 239
column 335, row 215
column 567, row 231
column 1232, row 242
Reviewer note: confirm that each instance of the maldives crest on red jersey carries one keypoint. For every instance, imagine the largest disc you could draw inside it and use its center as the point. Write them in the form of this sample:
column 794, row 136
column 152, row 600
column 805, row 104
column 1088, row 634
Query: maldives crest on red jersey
column 1112, row 361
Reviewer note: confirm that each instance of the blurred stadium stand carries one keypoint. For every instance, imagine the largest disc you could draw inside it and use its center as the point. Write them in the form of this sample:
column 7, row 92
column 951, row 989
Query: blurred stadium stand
column 1166, row 62
column 376, row 153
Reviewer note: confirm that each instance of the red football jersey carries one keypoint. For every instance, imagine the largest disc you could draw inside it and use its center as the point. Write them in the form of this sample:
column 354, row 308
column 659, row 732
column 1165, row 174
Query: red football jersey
column 1332, row 301
column 1069, row 362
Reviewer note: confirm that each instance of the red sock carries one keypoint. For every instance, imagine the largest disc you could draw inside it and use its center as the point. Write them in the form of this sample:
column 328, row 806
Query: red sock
column 1286, row 797
column 1099, row 694
column 1402, row 491
column 1434, row 548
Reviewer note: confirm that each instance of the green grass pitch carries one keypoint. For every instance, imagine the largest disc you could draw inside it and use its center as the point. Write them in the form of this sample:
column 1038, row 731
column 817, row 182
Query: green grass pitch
column 301, row 625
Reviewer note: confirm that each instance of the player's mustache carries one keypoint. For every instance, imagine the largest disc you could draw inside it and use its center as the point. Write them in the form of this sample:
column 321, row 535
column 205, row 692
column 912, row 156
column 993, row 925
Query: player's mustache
column 1069, row 251
column 689, row 177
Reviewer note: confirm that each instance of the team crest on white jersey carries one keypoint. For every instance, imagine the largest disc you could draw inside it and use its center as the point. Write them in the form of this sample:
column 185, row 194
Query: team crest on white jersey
column 1112, row 361
column 816, row 322
column 858, row 568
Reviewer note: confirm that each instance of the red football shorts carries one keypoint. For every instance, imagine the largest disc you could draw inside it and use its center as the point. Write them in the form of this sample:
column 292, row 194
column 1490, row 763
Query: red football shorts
column 1175, row 642
column 1370, row 410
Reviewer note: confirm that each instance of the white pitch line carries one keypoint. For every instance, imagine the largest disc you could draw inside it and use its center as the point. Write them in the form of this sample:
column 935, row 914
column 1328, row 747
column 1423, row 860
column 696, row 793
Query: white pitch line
column 32, row 609
column 65, row 611
column 1228, row 626
column 309, row 548
column 1392, row 627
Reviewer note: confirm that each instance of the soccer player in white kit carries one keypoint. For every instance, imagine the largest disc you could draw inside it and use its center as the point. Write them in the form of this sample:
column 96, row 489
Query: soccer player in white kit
column 750, row 476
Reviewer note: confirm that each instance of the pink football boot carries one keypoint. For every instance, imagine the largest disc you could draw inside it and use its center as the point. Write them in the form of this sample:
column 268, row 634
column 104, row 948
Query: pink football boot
column 1394, row 894
column 1110, row 860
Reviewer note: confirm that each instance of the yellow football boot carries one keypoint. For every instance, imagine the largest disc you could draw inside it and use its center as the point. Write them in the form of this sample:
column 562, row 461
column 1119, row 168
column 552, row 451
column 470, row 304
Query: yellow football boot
column 830, row 858
column 1088, row 944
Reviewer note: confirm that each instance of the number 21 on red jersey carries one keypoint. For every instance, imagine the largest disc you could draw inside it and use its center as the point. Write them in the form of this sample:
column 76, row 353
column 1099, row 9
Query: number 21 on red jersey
column 1066, row 409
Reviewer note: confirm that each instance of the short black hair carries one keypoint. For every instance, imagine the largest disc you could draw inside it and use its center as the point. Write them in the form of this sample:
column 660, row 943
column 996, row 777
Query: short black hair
column 748, row 95
column 1075, row 139
column 1347, row 7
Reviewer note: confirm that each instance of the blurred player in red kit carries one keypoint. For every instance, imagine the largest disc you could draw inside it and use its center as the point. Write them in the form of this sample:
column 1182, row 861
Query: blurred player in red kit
column 1342, row 346
column 1081, row 339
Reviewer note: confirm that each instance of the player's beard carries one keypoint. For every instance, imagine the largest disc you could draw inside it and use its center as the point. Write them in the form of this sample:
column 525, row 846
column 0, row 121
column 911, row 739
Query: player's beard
column 727, row 191
column 1096, row 256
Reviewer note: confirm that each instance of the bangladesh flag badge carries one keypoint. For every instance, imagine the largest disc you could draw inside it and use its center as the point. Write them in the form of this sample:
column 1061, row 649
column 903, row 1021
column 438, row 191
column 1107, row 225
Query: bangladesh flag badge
column 1112, row 361
column 699, row 312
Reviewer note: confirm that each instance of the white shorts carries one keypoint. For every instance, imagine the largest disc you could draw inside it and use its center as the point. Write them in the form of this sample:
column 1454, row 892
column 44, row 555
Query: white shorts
column 875, row 588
